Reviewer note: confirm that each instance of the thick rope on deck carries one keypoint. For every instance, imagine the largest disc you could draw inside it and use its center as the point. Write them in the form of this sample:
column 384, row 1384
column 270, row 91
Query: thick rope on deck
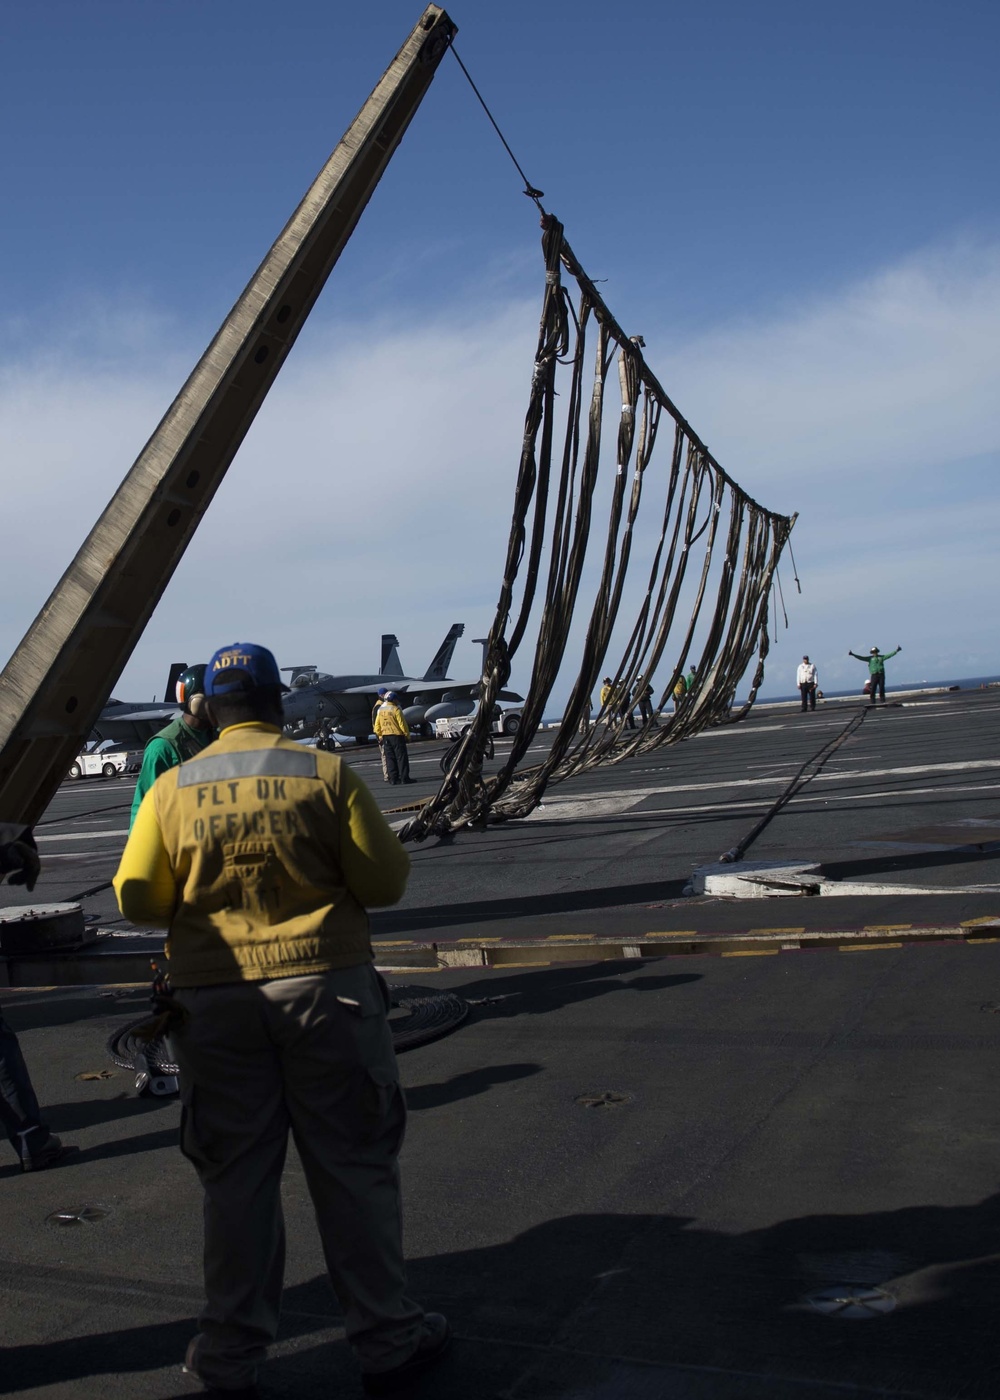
column 703, row 518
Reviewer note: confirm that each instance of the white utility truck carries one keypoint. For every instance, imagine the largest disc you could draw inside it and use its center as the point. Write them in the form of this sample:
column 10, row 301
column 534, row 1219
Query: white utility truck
column 105, row 761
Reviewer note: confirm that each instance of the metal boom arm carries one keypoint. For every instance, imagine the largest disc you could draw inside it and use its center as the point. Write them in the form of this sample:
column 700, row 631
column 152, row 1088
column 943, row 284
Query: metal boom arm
column 54, row 685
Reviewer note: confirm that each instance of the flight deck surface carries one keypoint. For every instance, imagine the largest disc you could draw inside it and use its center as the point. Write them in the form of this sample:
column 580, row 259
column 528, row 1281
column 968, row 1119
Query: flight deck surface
column 911, row 800
column 708, row 1177
column 622, row 1180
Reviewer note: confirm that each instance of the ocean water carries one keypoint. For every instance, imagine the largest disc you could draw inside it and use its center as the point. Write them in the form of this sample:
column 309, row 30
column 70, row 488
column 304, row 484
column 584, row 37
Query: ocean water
column 969, row 683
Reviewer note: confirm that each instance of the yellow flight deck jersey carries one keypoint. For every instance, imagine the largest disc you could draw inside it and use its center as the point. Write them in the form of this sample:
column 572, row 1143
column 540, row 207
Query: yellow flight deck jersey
column 260, row 857
column 389, row 719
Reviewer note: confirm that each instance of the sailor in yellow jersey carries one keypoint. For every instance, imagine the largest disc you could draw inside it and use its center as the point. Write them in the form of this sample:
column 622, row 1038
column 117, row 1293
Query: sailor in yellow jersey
column 260, row 857
column 393, row 732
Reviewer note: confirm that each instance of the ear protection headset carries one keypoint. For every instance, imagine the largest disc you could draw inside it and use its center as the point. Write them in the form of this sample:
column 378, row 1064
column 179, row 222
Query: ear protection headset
column 190, row 691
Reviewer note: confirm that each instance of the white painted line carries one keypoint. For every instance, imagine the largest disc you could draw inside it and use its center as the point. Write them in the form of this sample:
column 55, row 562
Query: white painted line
column 624, row 799
column 85, row 835
column 913, row 768
column 613, row 805
column 594, row 807
column 743, row 729
column 78, row 859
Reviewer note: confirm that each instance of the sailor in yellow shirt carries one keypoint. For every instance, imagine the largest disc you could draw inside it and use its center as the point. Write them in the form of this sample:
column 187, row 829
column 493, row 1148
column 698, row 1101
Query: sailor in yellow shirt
column 260, row 857
column 392, row 732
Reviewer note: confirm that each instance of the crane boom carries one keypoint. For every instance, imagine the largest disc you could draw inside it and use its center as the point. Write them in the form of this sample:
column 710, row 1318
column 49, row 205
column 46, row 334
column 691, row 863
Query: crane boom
column 54, row 685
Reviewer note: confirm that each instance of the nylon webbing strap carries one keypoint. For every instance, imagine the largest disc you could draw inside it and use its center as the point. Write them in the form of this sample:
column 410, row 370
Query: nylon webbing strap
column 632, row 555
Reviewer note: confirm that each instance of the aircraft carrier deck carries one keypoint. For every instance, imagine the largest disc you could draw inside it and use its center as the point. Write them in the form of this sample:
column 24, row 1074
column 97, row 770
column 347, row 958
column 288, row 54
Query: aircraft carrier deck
column 684, row 1146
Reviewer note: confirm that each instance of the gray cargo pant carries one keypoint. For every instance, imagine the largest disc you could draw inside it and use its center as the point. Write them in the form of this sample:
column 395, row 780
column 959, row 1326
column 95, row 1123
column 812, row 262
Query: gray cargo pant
column 313, row 1054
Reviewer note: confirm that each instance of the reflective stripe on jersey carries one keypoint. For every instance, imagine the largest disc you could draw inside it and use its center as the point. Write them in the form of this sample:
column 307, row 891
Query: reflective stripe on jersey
column 248, row 763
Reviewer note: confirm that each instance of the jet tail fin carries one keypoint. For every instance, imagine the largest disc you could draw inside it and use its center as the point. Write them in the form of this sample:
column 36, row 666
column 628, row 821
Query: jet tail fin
column 177, row 668
column 391, row 664
column 438, row 669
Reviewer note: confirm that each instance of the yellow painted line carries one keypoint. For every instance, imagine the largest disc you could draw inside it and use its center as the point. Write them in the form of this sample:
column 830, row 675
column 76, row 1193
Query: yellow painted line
column 492, row 939
column 397, row 943
column 385, row 967
column 570, row 937
column 753, row 953
column 775, row 930
column 887, row 928
column 968, row 940
column 677, row 933
column 503, row 966
column 866, row 947
column 973, row 923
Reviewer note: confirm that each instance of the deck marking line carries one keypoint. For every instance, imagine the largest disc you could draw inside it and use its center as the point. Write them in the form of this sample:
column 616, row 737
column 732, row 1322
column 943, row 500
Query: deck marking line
column 402, row 967
column 866, row 947
column 83, row 835
column 886, row 928
column 615, row 802
column 752, row 953
column 593, row 807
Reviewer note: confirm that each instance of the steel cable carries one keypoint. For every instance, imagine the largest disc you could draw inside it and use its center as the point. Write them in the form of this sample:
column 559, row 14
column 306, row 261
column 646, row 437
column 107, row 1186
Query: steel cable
column 805, row 774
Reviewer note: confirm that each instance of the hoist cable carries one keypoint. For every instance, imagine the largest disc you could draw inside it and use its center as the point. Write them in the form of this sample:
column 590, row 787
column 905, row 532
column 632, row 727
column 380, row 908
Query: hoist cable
column 529, row 189
column 795, row 572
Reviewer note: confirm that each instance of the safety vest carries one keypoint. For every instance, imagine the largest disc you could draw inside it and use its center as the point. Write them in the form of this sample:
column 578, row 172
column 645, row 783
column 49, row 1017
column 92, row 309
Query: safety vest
column 252, row 831
column 175, row 743
column 183, row 739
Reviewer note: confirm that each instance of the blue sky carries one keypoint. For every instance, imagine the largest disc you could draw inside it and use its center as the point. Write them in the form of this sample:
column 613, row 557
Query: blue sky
column 796, row 205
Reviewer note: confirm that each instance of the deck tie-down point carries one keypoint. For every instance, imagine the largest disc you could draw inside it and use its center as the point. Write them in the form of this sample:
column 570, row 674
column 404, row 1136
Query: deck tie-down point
column 769, row 879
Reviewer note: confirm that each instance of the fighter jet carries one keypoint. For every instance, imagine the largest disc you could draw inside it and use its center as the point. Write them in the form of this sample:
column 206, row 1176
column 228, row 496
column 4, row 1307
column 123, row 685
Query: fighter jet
column 135, row 722
column 344, row 703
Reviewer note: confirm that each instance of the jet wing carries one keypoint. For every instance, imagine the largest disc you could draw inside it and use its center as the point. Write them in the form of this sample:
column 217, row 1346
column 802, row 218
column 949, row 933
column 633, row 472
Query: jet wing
column 371, row 688
column 133, row 716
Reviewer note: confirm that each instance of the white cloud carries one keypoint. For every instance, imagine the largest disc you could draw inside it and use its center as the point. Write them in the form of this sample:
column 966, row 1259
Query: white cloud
column 875, row 414
column 898, row 372
column 373, row 492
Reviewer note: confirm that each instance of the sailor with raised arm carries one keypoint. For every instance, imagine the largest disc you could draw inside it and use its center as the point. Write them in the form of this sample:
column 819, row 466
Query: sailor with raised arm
column 876, row 670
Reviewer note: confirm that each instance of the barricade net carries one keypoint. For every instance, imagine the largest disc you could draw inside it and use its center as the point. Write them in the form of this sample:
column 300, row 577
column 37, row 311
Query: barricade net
column 706, row 564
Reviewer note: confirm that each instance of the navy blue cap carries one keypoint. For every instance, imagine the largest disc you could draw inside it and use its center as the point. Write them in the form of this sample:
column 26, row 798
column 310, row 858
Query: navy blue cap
column 242, row 667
